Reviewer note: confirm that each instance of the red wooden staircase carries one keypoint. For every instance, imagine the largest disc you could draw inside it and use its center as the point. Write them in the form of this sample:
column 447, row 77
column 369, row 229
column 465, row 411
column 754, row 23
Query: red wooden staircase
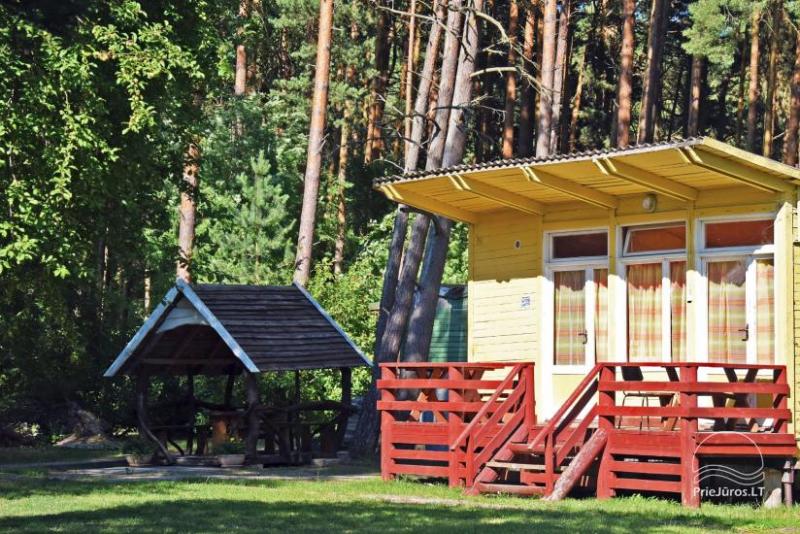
column 597, row 440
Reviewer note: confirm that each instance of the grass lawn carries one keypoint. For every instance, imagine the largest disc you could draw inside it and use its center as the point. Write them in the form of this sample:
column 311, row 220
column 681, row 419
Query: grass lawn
column 19, row 455
column 34, row 504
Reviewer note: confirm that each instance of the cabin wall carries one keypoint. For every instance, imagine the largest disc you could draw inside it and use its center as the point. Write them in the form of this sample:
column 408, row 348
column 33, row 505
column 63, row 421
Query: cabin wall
column 507, row 278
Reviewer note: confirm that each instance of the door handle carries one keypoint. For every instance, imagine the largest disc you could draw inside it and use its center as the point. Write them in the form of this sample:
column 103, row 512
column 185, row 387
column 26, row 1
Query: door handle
column 745, row 331
column 585, row 336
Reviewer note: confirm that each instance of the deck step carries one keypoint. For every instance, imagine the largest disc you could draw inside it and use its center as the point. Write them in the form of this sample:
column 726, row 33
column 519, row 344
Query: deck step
column 513, row 489
column 515, row 466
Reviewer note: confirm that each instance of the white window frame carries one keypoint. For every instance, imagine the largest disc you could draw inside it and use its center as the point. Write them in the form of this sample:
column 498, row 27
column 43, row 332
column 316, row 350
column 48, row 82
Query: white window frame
column 750, row 254
column 625, row 239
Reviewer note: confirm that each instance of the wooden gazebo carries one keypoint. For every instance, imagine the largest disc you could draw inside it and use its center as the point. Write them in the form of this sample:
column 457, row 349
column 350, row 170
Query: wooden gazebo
column 234, row 330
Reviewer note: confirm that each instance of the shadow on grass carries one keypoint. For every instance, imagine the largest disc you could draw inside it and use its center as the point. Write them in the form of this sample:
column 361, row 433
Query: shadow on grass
column 289, row 516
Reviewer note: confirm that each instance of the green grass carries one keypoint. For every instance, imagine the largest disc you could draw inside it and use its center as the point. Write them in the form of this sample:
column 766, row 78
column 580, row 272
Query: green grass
column 19, row 455
column 31, row 504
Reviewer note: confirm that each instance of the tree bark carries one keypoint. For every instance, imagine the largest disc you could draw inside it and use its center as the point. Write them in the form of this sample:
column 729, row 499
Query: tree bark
column 790, row 145
column 240, row 79
column 560, row 75
column 752, row 93
column 409, row 80
column 188, row 211
column 253, row 417
column 546, row 89
column 576, row 106
column 507, row 150
column 528, row 103
column 772, row 80
column 625, row 90
column 652, row 81
column 420, row 328
column 695, row 94
column 379, row 83
column 316, row 137
column 740, row 99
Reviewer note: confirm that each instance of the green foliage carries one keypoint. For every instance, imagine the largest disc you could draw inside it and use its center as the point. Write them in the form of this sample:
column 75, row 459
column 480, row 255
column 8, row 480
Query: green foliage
column 137, row 446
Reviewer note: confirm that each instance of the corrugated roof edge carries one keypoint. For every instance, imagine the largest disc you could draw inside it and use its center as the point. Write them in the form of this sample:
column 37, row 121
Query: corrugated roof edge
column 572, row 156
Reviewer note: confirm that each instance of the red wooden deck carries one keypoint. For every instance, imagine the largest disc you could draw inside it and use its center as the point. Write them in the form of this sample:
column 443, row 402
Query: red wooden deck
column 453, row 421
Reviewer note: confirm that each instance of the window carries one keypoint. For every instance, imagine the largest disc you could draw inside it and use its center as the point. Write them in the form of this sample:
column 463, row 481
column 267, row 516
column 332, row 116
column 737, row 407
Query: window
column 649, row 239
column 584, row 245
column 739, row 234
column 580, row 316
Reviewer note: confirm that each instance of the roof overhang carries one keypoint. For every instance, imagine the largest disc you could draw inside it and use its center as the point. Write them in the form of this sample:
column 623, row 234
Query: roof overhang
column 681, row 170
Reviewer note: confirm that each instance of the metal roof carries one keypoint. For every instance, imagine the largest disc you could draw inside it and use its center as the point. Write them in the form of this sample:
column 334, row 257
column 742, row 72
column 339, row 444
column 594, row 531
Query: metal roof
column 217, row 329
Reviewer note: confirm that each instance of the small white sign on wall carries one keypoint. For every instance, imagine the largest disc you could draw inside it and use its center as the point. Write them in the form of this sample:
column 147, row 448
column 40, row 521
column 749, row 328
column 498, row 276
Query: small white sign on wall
column 525, row 302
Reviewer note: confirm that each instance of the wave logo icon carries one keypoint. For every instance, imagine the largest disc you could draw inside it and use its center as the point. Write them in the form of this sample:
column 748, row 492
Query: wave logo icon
column 738, row 477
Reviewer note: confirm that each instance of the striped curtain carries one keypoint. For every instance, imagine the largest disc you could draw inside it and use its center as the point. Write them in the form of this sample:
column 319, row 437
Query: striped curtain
column 765, row 311
column 726, row 311
column 570, row 317
column 644, row 312
column 601, row 315
column 677, row 276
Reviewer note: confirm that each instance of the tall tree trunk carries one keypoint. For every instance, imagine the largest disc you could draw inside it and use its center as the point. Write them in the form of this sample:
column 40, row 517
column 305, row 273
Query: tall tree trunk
column 625, row 90
column 188, row 211
column 316, row 137
column 772, row 79
column 790, row 145
column 240, row 79
column 411, row 60
column 420, row 328
column 652, row 81
column 752, row 93
column 547, row 77
column 379, row 84
column 528, row 102
column 576, row 105
column 740, row 99
column 507, row 150
column 695, row 94
column 561, row 74
column 393, row 315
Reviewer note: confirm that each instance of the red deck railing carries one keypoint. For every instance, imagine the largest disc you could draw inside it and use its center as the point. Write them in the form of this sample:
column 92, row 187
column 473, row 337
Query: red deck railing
column 438, row 419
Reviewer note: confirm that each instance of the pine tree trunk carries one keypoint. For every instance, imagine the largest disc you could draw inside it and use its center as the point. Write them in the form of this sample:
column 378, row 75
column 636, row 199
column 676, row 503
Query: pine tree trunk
column 790, row 145
column 188, row 211
column 576, row 105
column 411, row 60
column 652, row 81
column 547, row 77
column 772, row 80
column 752, row 93
column 695, row 94
column 528, row 103
column 507, row 150
column 344, row 160
column 625, row 90
column 740, row 99
column 379, row 83
column 240, row 79
column 420, row 327
column 560, row 75
column 316, row 137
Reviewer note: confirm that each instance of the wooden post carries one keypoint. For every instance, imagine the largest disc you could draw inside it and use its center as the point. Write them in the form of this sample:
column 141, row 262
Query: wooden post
column 142, row 390
column 192, row 412
column 387, row 421
column 347, row 401
column 690, row 464
column 455, row 424
column 606, row 424
column 253, row 417
column 229, row 390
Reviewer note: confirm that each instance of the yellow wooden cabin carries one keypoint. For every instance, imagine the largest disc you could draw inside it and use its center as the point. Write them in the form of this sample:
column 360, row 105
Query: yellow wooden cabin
column 680, row 251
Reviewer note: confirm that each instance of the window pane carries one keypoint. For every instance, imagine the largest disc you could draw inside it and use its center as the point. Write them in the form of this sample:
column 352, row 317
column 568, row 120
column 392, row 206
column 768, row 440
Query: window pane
column 677, row 277
column 644, row 312
column 601, row 315
column 765, row 311
column 580, row 245
column 727, row 311
column 640, row 240
column 739, row 234
column 570, row 317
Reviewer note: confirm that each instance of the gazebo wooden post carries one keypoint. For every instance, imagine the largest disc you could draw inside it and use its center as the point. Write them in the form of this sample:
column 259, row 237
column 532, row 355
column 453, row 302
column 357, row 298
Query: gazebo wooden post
column 142, row 390
column 254, row 417
column 229, row 390
column 347, row 400
column 192, row 412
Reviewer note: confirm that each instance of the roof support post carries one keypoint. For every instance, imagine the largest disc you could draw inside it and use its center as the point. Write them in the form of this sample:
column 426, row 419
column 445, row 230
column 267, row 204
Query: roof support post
column 570, row 188
column 253, row 416
column 142, row 392
column 347, row 401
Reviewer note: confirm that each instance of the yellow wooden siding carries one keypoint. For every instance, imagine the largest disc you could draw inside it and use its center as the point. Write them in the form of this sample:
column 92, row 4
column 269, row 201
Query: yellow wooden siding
column 504, row 260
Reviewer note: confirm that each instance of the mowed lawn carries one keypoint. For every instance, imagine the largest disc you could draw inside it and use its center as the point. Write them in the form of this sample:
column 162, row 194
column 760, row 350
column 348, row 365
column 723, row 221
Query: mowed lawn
column 35, row 504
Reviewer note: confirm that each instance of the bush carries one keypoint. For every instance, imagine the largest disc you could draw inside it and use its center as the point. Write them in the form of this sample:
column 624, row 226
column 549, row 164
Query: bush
column 229, row 447
column 138, row 446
